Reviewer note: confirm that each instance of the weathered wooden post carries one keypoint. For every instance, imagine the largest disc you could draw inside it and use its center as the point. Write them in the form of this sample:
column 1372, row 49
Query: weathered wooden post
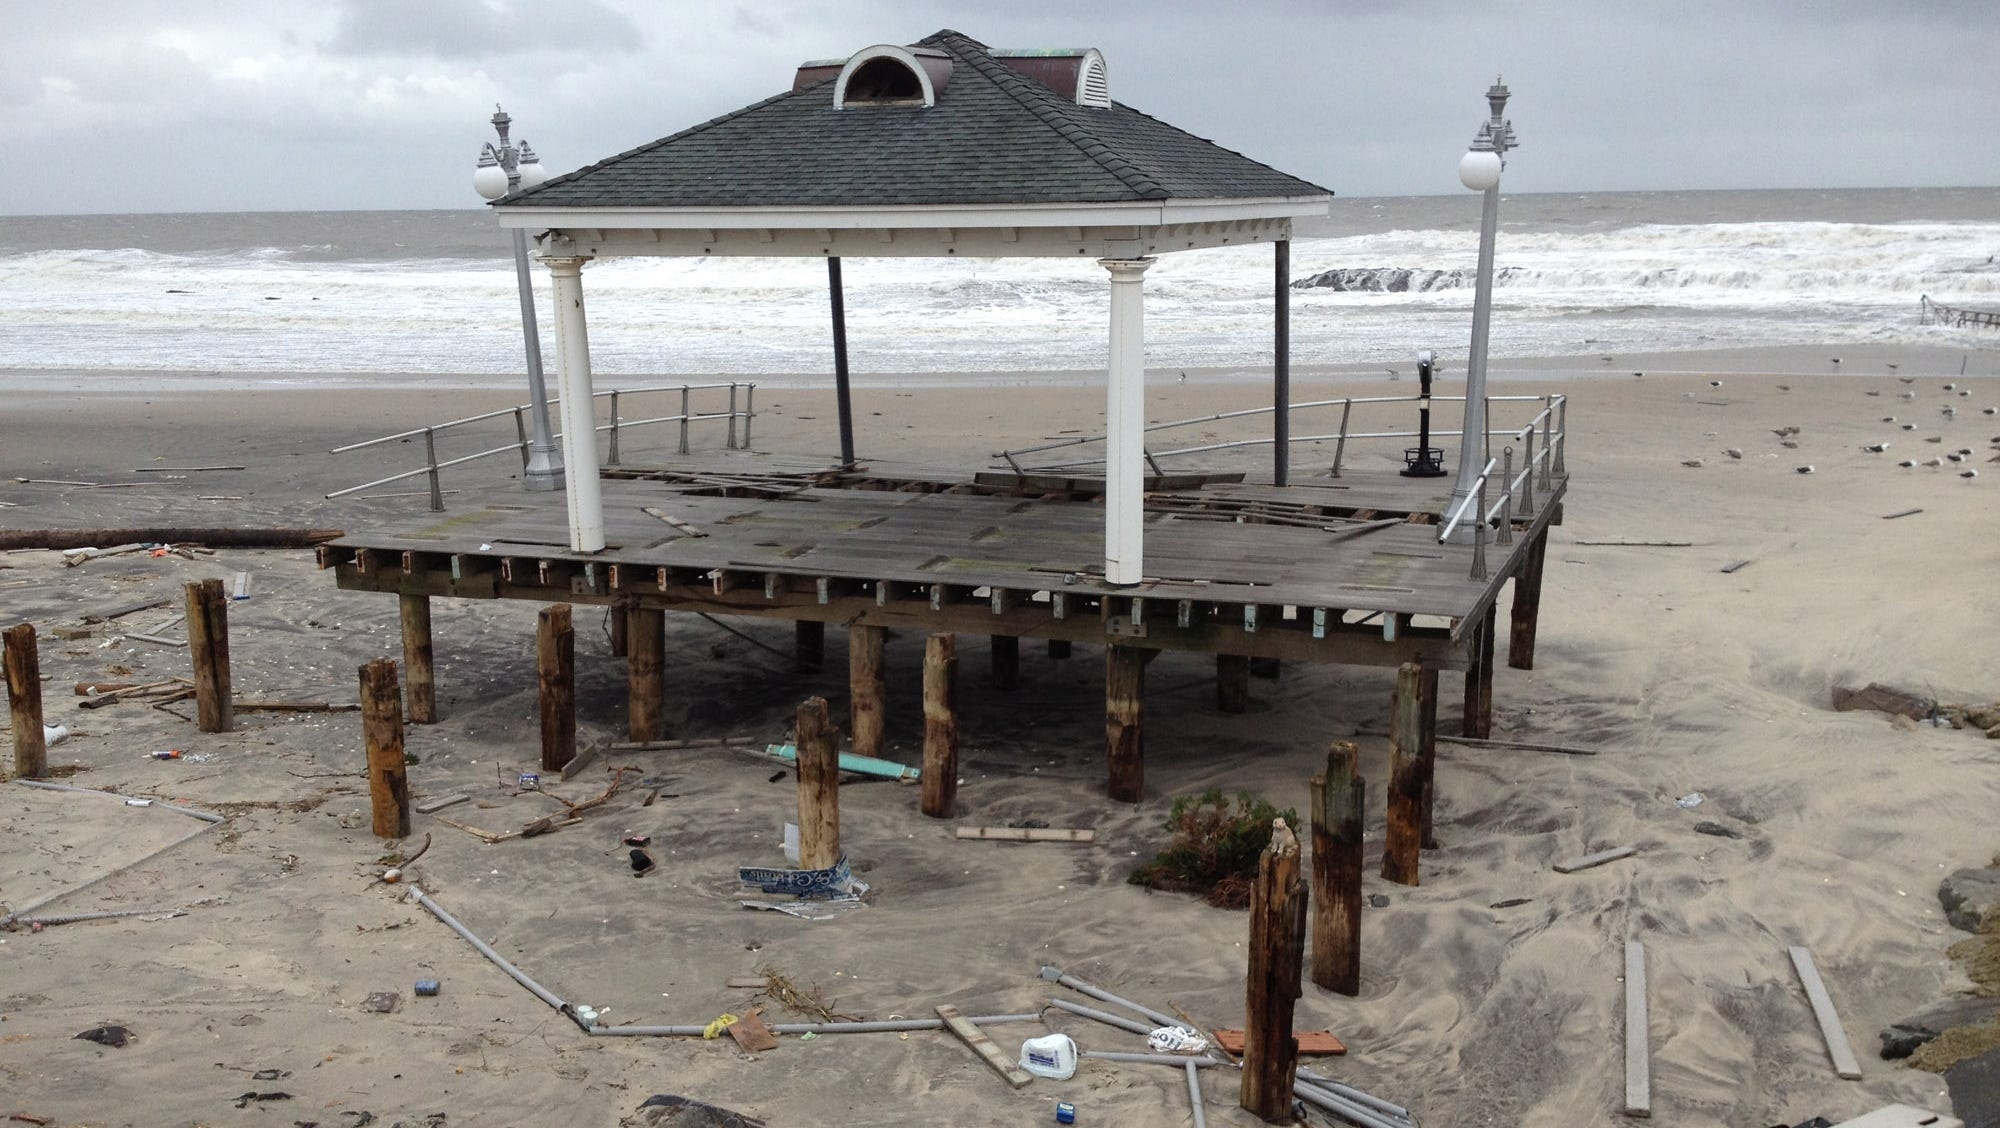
column 417, row 658
column 1427, row 733
column 24, row 702
column 1408, row 768
column 621, row 629
column 1338, row 799
column 867, row 688
column 555, row 670
column 1527, row 606
column 808, row 645
column 1124, row 716
column 1232, row 683
column 646, row 672
column 1479, row 678
column 208, row 650
column 382, row 734
column 940, row 725
column 1277, row 951
column 819, row 786
column 1005, row 651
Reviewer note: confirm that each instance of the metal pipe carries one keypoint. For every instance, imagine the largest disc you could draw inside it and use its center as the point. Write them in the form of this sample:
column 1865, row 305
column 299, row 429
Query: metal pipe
column 31, row 906
column 1281, row 389
column 1345, row 1109
column 521, row 433
column 889, row 1026
column 485, row 949
column 1175, row 1060
column 749, row 411
column 1506, row 530
column 1160, row 1018
column 611, row 458
column 415, row 431
column 1457, row 510
column 1105, row 1017
column 1194, row 1092
column 79, row 918
column 1340, row 449
column 1357, row 1096
column 732, row 415
column 684, row 419
column 1479, row 534
column 191, row 812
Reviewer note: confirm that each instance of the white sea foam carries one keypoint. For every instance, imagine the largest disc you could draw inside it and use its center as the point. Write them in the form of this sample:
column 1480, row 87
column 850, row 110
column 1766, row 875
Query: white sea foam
column 1650, row 286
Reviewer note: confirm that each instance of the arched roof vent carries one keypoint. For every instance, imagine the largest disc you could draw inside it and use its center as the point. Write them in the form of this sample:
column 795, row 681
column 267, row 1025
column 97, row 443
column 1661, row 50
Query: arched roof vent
column 1076, row 73
column 886, row 74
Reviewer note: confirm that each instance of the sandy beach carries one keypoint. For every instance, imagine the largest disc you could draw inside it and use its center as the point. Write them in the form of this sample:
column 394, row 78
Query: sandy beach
column 1686, row 679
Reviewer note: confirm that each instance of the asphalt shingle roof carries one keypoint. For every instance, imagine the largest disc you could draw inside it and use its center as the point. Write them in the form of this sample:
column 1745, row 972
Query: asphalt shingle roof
column 994, row 137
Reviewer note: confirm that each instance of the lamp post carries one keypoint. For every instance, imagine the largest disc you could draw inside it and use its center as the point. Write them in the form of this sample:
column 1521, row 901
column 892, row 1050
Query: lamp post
column 1479, row 170
column 503, row 170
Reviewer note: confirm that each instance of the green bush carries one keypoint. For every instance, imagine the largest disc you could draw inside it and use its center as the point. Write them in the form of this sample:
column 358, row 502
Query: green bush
column 1215, row 847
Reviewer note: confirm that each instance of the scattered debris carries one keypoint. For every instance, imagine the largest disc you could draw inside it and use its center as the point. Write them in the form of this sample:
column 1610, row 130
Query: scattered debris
column 1971, row 897
column 1830, row 1029
column 1589, row 861
column 1881, row 698
column 665, row 1110
column 383, row 1002
column 849, row 762
column 1510, row 902
column 1025, row 834
column 1738, row 566
column 438, row 803
column 248, row 1098
column 980, row 1044
column 112, row 1036
column 1717, row 829
column 426, row 988
column 751, row 1033
column 1318, row 1043
column 1690, row 801
column 1902, row 513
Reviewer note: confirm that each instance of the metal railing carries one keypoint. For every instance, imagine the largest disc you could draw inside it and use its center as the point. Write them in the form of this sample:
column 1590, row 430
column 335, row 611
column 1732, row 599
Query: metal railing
column 1517, row 494
column 1339, row 437
column 737, row 418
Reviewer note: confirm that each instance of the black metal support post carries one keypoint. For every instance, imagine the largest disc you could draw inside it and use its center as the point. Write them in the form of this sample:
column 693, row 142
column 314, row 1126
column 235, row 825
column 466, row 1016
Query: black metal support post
column 1281, row 369
column 840, row 387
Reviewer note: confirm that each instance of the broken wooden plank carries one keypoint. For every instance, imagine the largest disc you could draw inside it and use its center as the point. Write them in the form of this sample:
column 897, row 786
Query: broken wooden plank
column 1027, row 833
column 1830, row 1029
column 182, row 469
column 1638, row 544
column 747, row 982
column 1893, row 516
column 1597, row 859
column 751, row 1033
column 691, row 742
column 980, row 1044
column 1524, row 745
column 661, row 514
column 156, row 639
column 436, row 803
column 1315, row 1042
column 296, row 707
column 1740, row 564
column 1638, row 1044
column 120, row 612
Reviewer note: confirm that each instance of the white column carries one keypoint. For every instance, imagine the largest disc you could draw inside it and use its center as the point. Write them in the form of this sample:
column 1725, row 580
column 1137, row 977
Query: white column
column 579, row 414
column 1125, row 424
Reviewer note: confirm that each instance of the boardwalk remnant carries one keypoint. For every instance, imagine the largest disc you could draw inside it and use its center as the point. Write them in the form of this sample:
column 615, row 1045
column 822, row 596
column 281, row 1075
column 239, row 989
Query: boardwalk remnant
column 1277, row 949
column 208, row 649
column 417, row 655
column 819, row 786
column 24, row 702
column 1411, row 771
column 382, row 735
column 555, row 676
column 1338, row 799
column 940, row 774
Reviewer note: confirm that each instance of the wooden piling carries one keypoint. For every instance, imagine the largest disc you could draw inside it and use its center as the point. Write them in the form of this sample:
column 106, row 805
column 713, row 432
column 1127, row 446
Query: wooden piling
column 808, row 645
column 646, row 672
column 555, row 669
column 1124, row 714
column 940, row 725
column 1479, row 678
column 382, row 734
column 621, row 630
column 1232, row 683
column 1527, row 606
column 1005, row 651
column 420, row 682
column 867, row 688
column 1427, row 728
column 1277, row 949
column 208, row 650
column 1407, row 769
column 24, row 702
column 819, row 786
column 1338, row 800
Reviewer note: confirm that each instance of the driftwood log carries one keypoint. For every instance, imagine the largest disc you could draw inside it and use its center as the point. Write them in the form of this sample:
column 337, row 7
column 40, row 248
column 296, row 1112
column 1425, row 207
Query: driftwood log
column 219, row 537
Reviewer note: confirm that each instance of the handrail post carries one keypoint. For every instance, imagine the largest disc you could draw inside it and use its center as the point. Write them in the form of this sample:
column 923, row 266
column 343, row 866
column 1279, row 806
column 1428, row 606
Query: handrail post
column 431, row 457
column 1479, row 532
column 1505, row 534
column 732, row 415
column 749, row 411
column 521, row 432
column 1548, row 436
column 612, row 458
column 684, row 418
column 1340, row 446
column 1562, row 436
column 1486, row 439
column 1527, row 508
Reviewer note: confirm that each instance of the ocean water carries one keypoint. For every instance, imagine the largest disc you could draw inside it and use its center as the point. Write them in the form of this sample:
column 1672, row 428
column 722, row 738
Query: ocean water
column 429, row 297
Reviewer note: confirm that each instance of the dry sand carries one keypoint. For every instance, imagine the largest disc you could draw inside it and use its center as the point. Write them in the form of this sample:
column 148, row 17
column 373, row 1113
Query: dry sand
column 1688, row 679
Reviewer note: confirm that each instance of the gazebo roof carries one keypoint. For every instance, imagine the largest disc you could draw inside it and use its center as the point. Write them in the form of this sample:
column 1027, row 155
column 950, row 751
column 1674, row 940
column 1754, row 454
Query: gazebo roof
column 973, row 154
column 993, row 136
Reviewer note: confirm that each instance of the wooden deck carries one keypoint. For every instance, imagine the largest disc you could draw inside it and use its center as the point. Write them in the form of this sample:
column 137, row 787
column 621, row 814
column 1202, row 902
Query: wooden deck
column 1327, row 570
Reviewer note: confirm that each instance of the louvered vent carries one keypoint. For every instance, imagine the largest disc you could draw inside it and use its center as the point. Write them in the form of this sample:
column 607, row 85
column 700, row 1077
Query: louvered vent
column 1095, row 88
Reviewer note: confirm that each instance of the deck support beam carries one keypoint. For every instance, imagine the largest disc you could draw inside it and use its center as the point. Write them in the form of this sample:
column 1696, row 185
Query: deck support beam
column 867, row 688
column 1411, row 768
column 646, row 672
column 940, row 725
column 1527, row 605
column 1124, row 713
column 1125, row 425
column 555, row 679
column 420, row 682
column 1479, row 677
column 579, row 412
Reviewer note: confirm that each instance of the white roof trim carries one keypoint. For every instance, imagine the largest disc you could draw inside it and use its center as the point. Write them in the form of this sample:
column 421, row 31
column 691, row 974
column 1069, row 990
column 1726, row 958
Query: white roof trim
column 1149, row 213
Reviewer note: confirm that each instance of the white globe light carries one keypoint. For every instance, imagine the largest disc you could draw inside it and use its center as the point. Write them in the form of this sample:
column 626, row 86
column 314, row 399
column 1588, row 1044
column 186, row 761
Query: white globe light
column 489, row 179
column 1479, row 170
column 530, row 169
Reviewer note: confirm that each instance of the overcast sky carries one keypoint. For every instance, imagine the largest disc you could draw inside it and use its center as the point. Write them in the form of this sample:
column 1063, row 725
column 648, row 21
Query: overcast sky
column 204, row 105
